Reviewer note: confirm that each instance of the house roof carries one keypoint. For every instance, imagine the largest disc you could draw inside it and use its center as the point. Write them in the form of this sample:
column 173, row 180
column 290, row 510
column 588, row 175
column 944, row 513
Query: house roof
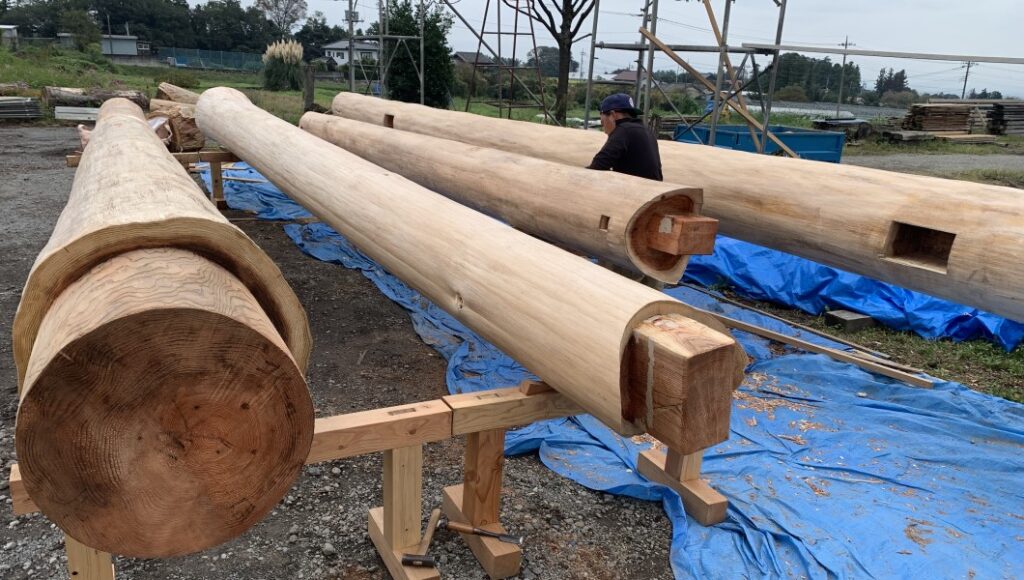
column 625, row 76
column 356, row 45
column 471, row 57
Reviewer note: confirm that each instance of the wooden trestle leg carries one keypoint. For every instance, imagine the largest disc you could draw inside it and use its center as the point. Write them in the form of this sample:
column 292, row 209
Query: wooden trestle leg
column 395, row 527
column 85, row 563
column 682, row 473
column 478, row 502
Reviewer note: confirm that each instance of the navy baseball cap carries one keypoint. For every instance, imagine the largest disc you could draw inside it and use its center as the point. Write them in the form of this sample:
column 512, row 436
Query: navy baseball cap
column 618, row 102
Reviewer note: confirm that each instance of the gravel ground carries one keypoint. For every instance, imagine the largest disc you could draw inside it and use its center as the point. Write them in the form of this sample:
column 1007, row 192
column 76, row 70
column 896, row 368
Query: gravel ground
column 366, row 355
column 937, row 164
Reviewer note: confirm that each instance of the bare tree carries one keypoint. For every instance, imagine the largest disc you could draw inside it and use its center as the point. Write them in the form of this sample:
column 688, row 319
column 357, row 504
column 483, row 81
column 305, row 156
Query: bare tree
column 563, row 19
column 283, row 13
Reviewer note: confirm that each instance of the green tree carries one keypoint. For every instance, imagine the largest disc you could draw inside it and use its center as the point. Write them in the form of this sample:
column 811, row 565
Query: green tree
column 81, row 26
column 161, row 22
column 315, row 33
column 283, row 13
column 226, row 25
column 402, row 82
column 548, row 57
column 793, row 93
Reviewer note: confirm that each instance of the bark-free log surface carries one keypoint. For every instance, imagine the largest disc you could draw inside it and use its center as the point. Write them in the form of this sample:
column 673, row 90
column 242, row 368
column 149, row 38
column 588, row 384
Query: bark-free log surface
column 566, row 319
column 610, row 216
column 130, row 193
column 162, row 412
column 954, row 239
column 170, row 92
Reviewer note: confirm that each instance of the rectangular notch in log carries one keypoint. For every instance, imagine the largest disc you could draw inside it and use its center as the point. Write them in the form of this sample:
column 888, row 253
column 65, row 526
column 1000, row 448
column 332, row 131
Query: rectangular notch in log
column 919, row 246
column 682, row 234
column 684, row 373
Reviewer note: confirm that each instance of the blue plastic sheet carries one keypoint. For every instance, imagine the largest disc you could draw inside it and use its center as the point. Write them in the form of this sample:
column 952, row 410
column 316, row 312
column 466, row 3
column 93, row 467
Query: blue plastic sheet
column 830, row 471
column 764, row 274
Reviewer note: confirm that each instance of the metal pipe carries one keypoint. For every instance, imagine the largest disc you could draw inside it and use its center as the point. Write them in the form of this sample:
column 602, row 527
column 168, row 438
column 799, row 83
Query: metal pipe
column 590, row 73
column 766, row 112
column 722, row 55
column 682, row 48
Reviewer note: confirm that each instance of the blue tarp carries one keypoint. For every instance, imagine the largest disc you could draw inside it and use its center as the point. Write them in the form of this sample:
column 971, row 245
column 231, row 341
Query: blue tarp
column 763, row 274
column 829, row 471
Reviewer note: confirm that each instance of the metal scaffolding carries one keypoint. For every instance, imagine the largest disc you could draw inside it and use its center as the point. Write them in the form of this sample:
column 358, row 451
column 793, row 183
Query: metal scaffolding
column 720, row 96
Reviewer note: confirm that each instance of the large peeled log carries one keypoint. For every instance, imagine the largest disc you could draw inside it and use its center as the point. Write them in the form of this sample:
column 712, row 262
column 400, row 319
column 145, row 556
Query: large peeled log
column 608, row 215
column 162, row 414
column 130, row 193
column 169, row 92
column 954, row 239
column 635, row 358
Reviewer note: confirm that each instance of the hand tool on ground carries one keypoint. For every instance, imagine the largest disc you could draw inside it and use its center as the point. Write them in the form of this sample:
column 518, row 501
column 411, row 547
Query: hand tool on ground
column 420, row 557
column 468, row 529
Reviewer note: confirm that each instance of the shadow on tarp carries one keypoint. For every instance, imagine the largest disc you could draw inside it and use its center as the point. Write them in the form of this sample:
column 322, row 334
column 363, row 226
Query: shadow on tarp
column 830, row 471
column 761, row 273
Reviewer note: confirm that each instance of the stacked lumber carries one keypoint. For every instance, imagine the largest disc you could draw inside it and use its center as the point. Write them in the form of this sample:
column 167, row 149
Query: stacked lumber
column 938, row 117
column 894, row 227
column 628, row 354
column 161, row 357
column 981, row 121
column 19, row 108
column 968, row 138
column 1008, row 117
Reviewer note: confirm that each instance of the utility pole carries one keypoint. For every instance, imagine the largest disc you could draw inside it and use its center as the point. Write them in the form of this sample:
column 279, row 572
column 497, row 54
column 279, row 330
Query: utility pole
column 583, row 54
column 963, row 93
column 842, row 74
column 351, row 16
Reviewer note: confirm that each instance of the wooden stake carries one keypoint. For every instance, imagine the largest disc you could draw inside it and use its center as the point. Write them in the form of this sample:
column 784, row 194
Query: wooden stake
column 85, row 563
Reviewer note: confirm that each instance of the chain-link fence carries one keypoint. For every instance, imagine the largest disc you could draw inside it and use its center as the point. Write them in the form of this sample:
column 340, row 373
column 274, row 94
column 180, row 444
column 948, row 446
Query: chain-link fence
column 210, row 59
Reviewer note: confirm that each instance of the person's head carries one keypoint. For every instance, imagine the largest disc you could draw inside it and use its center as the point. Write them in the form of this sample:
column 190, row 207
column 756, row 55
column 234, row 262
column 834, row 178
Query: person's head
column 615, row 107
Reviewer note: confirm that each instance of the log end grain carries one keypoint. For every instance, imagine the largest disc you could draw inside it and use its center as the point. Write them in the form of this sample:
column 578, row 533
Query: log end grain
column 162, row 414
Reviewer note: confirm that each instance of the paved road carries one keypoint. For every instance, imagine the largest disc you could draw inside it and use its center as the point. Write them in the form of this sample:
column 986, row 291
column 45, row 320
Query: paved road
column 937, row 164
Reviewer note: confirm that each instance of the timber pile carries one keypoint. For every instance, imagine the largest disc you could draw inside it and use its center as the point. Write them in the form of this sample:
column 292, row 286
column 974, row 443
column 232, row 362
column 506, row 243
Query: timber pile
column 15, row 89
column 19, row 108
column 894, row 227
column 1008, row 117
column 645, row 226
column 938, row 117
column 161, row 356
column 633, row 357
column 74, row 97
column 968, row 138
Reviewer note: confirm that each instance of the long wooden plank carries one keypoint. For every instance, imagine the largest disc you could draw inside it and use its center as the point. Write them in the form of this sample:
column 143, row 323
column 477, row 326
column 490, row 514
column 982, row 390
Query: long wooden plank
column 566, row 319
column 504, row 408
column 957, row 240
column 377, row 430
column 184, row 158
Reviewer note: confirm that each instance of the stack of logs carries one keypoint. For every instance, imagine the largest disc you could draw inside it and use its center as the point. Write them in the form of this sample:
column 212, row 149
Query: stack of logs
column 1008, row 118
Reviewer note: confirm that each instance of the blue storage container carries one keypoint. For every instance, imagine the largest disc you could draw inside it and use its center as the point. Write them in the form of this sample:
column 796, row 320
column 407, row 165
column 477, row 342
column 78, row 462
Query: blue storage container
column 807, row 143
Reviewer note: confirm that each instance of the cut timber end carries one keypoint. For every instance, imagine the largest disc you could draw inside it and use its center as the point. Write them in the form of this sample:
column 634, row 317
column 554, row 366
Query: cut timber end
column 681, row 377
column 682, row 234
column 162, row 413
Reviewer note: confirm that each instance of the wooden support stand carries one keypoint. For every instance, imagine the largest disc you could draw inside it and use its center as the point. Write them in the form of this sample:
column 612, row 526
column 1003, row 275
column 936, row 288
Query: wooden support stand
column 215, row 157
column 400, row 433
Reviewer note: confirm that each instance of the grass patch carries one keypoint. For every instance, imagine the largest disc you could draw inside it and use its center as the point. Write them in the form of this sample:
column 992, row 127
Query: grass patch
column 1005, row 144
column 1007, row 177
column 978, row 364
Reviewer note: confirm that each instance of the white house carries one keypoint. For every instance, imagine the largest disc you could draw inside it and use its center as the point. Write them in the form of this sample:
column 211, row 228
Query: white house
column 112, row 44
column 338, row 50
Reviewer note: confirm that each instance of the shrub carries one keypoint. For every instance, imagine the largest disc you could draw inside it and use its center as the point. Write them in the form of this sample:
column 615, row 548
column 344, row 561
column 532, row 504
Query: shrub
column 282, row 66
column 183, row 78
column 793, row 93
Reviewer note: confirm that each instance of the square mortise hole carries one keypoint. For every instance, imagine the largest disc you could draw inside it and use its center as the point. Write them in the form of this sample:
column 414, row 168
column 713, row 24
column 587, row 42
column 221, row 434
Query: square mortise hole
column 389, row 121
column 917, row 246
column 602, row 224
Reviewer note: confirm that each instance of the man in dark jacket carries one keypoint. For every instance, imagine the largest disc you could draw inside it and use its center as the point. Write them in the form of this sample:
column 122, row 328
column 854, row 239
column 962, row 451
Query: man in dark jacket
column 630, row 148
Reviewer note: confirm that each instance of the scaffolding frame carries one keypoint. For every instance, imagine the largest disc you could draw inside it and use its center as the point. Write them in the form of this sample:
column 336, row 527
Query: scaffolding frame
column 642, row 90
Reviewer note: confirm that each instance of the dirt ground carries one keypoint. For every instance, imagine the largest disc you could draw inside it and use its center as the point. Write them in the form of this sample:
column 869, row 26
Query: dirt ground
column 365, row 355
column 923, row 163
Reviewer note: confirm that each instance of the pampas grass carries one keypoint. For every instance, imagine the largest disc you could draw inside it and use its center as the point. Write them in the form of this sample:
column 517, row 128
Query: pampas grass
column 282, row 66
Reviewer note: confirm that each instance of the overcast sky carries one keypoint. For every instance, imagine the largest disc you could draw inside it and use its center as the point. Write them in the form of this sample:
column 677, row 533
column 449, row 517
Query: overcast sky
column 976, row 27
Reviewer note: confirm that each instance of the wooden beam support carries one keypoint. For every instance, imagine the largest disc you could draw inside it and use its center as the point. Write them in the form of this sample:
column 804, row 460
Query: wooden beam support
column 682, row 234
column 395, row 527
column 184, row 158
column 378, row 430
column 682, row 473
column 85, row 563
column 21, row 503
column 504, row 408
column 499, row 559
